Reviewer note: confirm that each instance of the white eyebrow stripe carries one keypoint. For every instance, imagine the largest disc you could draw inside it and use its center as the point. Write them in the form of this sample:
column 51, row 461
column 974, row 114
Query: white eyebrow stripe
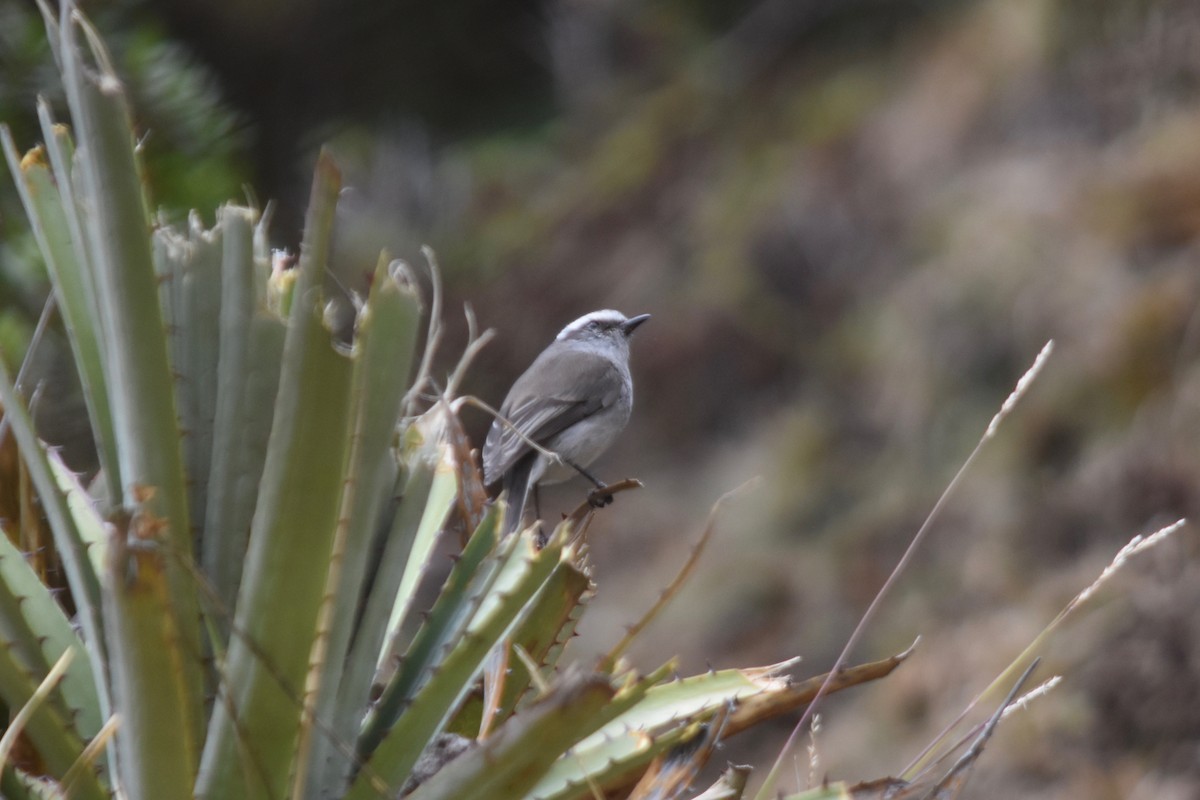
column 607, row 315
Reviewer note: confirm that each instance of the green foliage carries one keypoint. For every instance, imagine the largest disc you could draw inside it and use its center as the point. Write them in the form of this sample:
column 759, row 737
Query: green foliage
column 244, row 568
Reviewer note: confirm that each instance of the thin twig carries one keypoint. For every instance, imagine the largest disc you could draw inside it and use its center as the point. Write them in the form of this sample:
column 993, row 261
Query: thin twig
column 433, row 334
column 585, row 509
column 672, row 588
column 471, row 400
column 475, row 343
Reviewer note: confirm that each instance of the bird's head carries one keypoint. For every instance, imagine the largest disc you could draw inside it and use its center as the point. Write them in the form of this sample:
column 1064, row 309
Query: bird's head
column 599, row 326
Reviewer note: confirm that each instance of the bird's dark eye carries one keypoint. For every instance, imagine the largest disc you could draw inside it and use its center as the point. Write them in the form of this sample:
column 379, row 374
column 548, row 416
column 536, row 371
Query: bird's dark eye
column 594, row 325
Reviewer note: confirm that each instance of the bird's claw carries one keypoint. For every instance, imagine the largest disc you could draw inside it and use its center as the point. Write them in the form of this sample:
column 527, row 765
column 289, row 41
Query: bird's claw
column 599, row 497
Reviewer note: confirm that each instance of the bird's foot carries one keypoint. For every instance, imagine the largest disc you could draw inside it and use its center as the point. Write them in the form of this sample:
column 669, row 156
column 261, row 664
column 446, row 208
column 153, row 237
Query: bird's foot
column 599, row 497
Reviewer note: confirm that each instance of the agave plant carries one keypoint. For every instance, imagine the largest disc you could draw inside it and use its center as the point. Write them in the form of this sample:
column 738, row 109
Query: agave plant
column 243, row 568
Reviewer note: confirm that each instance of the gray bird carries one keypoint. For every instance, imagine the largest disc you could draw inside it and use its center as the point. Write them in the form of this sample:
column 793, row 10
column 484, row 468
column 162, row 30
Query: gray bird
column 574, row 400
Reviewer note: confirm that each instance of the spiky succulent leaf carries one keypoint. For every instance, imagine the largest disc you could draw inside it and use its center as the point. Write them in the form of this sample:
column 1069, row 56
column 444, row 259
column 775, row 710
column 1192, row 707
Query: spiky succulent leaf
column 384, row 349
column 251, row 351
column 48, row 625
column 426, row 716
column 251, row 740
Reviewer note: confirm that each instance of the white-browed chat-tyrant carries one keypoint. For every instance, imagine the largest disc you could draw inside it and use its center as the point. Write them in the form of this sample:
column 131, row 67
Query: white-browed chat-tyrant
column 574, row 400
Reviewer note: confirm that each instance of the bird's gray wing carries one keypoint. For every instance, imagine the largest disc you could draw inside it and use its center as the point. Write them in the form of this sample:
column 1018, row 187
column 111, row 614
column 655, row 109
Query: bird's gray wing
column 594, row 383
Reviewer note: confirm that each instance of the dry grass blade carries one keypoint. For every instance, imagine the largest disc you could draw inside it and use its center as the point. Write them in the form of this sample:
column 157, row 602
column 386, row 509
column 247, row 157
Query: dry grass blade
column 952, row 783
column 956, row 778
column 40, row 695
column 1023, row 384
column 92, row 749
column 1136, row 545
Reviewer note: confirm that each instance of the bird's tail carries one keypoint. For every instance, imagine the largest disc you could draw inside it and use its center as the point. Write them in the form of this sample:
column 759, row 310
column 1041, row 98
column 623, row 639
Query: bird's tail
column 515, row 489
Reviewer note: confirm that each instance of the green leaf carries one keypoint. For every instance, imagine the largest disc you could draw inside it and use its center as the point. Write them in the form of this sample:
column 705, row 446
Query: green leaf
column 508, row 763
column 47, row 729
column 445, row 624
column 87, row 526
column 149, row 666
column 383, row 354
column 542, row 633
column 442, row 494
column 256, row 718
column 48, row 624
column 140, row 383
column 50, row 205
column 433, row 705
column 72, row 548
column 189, row 266
column 667, row 714
column 429, row 488
column 251, row 351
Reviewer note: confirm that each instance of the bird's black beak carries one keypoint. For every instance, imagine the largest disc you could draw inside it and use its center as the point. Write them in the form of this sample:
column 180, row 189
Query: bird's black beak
column 630, row 325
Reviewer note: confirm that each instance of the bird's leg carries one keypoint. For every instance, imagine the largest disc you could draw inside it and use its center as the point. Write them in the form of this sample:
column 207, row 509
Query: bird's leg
column 598, row 497
column 537, row 502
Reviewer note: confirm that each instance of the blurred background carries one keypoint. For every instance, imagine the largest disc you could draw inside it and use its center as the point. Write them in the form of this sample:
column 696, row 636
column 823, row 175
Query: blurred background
column 855, row 222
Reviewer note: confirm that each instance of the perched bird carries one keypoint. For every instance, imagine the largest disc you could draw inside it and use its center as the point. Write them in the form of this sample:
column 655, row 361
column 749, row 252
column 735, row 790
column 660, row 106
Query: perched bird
column 574, row 400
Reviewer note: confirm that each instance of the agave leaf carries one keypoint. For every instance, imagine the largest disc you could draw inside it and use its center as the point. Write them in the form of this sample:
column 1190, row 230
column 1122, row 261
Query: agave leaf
column 22, row 643
column 140, row 385
column 189, row 266
column 82, row 578
column 460, row 597
column 698, row 695
column 47, row 728
column 50, row 629
column 542, row 633
column 752, row 710
column 730, row 786
column 149, row 665
column 16, row 785
column 384, row 349
column 251, row 350
column 429, row 487
column 408, row 521
column 436, row 701
column 546, row 629
column 88, row 526
column 613, row 761
column 442, row 493
column 508, row 763
column 667, row 714
column 252, row 735
column 49, row 212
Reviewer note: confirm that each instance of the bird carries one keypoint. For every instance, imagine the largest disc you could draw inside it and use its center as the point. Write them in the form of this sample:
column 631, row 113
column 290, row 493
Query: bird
column 573, row 400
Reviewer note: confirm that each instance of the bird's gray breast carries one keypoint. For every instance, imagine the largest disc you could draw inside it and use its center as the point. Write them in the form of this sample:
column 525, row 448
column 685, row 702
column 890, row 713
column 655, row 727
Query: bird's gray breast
column 586, row 440
column 574, row 399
